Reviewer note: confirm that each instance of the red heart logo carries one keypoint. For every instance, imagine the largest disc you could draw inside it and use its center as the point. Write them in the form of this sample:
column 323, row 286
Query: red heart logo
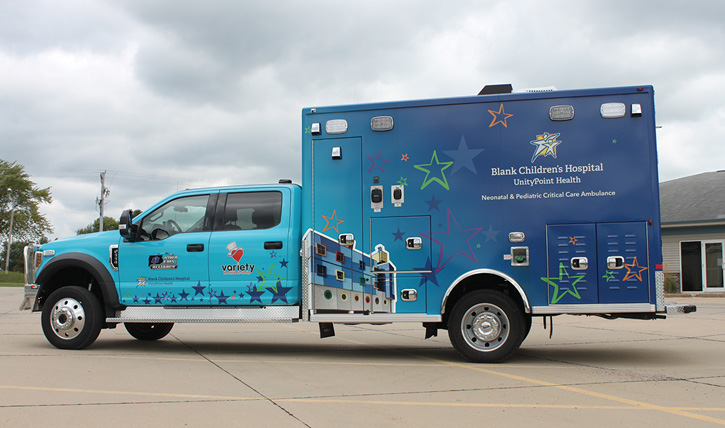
column 237, row 254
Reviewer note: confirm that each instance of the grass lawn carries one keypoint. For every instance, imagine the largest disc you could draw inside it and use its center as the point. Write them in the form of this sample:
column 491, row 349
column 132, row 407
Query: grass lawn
column 11, row 279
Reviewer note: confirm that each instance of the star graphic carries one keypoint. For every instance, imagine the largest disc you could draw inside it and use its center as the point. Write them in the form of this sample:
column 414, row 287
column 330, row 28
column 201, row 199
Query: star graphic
column 308, row 130
column 491, row 234
column 609, row 275
column 283, row 263
column 273, row 254
column 173, row 298
column 199, row 289
column 405, row 157
column 280, row 293
column 334, row 220
column 274, row 279
column 497, row 117
column 380, row 160
column 572, row 240
column 433, row 204
column 135, row 299
column 254, row 294
column 398, row 235
column 403, row 181
column 545, row 145
column 146, row 300
column 463, row 157
column 634, row 266
column 426, row 180
column 428, row 275
column 563, row 277
column 222, row 298
column 454, row 238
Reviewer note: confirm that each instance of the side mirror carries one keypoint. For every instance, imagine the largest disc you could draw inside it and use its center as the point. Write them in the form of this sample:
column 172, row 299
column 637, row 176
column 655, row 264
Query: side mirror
column 126, row 227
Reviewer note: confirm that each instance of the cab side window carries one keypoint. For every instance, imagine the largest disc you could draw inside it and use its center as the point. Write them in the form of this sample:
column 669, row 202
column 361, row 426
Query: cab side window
column 181, row 215
column 252, row 211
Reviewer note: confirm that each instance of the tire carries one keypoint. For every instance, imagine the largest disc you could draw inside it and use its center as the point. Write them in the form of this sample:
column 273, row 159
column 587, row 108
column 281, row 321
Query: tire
column 72, row 318
column 486, row 326
column 148, row 331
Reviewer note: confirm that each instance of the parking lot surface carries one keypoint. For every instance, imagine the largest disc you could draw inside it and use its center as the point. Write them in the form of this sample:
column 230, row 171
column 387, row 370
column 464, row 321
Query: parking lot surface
column 592, row 372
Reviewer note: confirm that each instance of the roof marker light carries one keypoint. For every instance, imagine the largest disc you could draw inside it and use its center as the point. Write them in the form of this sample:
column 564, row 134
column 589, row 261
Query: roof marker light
column 336, row 126
column 613, row 110
column 564, row 112
column 381, row 123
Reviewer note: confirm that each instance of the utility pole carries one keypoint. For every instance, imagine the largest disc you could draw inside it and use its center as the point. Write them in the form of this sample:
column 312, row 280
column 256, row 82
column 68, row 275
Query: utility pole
column 102, row 200
column 10, row 237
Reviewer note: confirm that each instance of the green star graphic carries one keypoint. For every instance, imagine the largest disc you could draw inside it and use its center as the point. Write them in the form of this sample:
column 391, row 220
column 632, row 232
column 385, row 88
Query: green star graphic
column 614, row 141
column 563, row 275
column 307, row 130
column 403, row 181
column 270, row 274
column 434, row 160
column 608, row 276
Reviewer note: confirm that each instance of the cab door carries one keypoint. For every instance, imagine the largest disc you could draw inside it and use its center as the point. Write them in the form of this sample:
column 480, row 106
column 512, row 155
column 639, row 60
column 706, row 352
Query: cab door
column 251, row 260
column 168, row 264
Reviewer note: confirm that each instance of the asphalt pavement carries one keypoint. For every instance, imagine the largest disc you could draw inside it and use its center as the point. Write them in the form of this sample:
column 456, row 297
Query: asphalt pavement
column 592, row 372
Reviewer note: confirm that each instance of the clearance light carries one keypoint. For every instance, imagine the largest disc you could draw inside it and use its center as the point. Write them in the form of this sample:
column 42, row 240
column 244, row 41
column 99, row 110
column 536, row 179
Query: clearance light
column 561, row 112
column 613, row 110
column 336, row 126
column 381, row 123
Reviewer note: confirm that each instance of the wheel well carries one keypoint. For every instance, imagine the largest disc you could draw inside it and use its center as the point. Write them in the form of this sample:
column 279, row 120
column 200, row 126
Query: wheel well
column 75, row 276
column 482, row 281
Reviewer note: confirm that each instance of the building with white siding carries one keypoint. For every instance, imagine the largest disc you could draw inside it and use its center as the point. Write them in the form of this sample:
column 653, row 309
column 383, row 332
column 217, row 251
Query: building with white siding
column 693, row 232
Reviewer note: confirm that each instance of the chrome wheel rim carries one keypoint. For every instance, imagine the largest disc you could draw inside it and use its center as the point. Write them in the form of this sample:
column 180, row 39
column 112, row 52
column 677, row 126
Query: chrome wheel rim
column 68, row 318
column 485, row 327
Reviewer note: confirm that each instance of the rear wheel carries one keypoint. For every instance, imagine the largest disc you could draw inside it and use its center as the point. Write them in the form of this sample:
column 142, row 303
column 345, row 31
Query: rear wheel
column 148, row 331
column 486, row 326
column 72, row 318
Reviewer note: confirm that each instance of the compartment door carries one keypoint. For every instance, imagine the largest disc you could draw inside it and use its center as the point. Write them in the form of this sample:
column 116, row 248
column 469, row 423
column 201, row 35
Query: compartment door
column 572, row 259
column 624, row 269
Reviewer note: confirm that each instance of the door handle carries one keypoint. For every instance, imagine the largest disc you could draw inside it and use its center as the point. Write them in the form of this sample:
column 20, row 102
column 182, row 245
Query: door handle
column 273, row 245
column 195, row 248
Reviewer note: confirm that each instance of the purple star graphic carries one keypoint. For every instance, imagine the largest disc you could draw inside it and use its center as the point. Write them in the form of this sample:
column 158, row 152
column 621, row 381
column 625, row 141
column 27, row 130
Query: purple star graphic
column 272, row 254
column 454, row 237
column 380, row 160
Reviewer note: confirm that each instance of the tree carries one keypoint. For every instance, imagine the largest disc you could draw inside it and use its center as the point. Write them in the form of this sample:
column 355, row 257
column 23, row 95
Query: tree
column 109, row 223
column 19, row 201
column 17, row 259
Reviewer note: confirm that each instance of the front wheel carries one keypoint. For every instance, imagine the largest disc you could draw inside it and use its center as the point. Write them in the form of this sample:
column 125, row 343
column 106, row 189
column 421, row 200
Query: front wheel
column 72, row 318
column 148, row 331
column 486, row 326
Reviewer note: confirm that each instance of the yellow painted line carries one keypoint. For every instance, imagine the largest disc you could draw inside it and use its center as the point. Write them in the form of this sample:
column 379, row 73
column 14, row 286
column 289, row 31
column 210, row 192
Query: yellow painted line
column 635, row 403
column 131, row 393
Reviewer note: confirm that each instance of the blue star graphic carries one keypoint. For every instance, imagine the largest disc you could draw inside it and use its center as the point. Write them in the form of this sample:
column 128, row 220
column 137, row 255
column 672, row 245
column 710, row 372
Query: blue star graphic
column 428, row 274
column 199, row 289
column 280, row 293
column 147, row 300
column 491, row 234
column 398, row 235
column 429, row 167
column 183, row 295
column 158, row 298
column 254, row 294
column 463, row 157
column 222, row 298
column 283, row 263
column 433, row 204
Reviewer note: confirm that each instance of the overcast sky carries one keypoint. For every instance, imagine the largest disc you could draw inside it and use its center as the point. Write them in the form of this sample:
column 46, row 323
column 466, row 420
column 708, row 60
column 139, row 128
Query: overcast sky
column 171, row 94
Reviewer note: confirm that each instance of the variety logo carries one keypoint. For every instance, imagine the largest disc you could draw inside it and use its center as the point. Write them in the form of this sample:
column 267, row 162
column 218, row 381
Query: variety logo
column 236, row 253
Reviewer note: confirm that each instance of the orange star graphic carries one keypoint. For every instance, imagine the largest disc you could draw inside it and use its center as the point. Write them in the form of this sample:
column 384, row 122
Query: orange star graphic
column 405, row 157
column 634, row 266
column 334, row 220
column 497, row 117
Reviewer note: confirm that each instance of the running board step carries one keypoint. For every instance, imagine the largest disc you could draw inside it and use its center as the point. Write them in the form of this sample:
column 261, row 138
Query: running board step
column 257, row 314
column 678, row 309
